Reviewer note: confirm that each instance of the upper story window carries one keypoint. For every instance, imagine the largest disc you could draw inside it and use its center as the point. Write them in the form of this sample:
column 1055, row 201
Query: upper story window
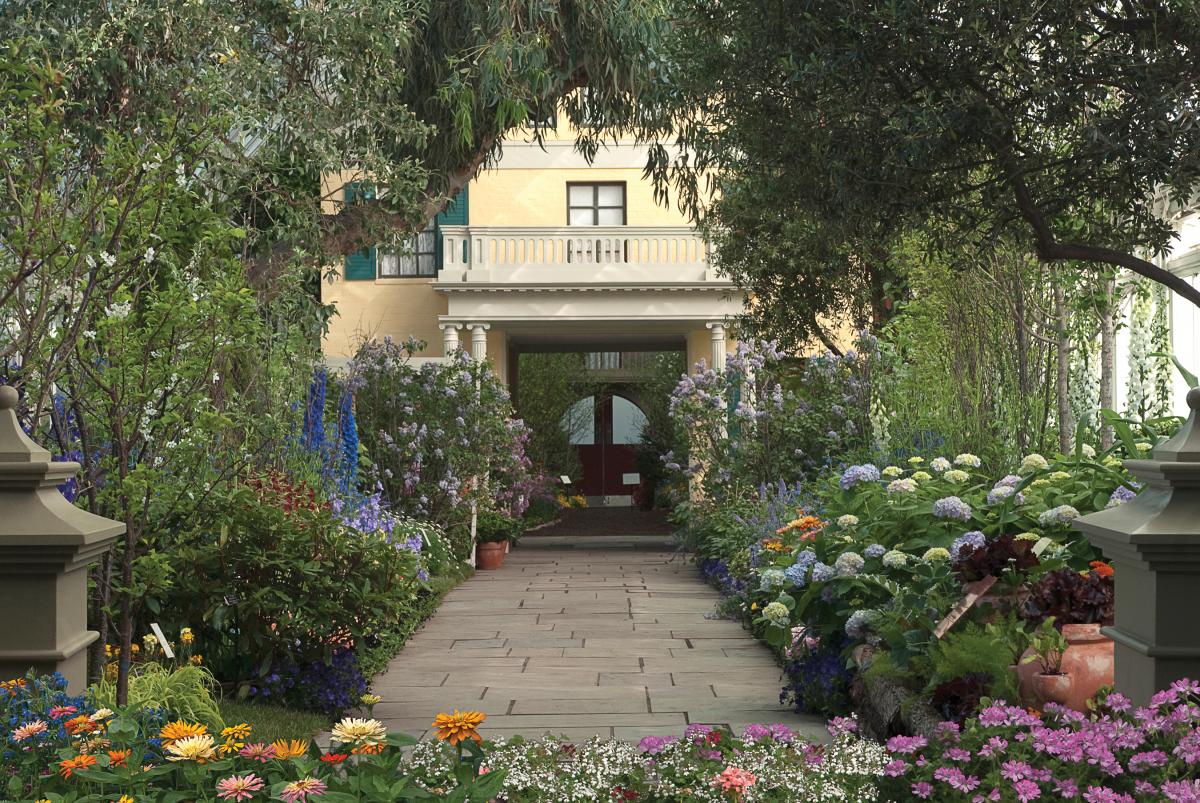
column 601, row 204
column 415, row 256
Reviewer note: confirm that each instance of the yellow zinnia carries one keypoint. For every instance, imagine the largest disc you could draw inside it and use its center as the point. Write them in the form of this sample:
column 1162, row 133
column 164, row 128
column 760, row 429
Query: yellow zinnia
column 285, row 750
column 359, row 732
column 239, row 731
column 174, row 731
column 459, row 726
column 193, row 748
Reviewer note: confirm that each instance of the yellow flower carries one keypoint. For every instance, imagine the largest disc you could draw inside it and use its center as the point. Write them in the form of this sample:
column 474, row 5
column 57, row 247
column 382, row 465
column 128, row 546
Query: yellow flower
column 174, row 731
column 230, row 747
column 754, row 606
column 459, row 726
column 196, row 660
column 101, row 713
column 358, row 732
column 239, row 731
column 192, row 748
column 123, row 799
column 285, row 750
column 370, row 699
column 185, row 635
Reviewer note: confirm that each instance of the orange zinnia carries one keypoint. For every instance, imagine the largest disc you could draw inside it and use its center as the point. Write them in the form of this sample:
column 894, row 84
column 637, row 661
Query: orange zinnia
column 116, row 758
column 1101, row 568
column 459, row 726
column 368, row 749
column 174, row 731
column 82, row 761
column 285, row 750
column 80, row 724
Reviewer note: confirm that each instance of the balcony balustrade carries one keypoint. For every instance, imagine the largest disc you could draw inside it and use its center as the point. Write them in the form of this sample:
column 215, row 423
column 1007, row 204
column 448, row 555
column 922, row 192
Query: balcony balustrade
column 575, row 255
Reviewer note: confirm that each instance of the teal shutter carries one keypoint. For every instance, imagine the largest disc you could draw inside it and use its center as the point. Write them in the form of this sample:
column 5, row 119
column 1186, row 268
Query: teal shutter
column 360, row 266
column 456, row 213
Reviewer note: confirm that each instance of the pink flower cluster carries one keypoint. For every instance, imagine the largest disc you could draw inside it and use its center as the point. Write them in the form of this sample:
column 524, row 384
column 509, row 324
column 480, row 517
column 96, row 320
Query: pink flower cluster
column 1119, row 754
column 735, row 780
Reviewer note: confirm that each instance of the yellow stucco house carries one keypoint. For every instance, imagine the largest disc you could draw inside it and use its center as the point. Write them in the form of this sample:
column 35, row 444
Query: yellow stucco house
column 542, row 252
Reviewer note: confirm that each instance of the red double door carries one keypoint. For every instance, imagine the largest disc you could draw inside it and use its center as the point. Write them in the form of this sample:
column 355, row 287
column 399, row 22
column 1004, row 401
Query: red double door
column 609, row 464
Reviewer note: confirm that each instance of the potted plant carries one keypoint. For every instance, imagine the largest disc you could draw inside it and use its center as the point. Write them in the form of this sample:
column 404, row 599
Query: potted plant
column 493, row 533
column 1078, row 605
column 1047, row 647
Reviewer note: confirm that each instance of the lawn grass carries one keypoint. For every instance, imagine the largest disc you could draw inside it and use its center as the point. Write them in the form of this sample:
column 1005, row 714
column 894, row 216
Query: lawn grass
column 271, row 722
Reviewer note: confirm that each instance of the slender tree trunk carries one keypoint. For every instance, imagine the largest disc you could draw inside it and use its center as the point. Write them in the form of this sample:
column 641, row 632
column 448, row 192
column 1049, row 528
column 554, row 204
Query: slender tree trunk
column 1108, row 349
column 1023, row 384
column 1066, row 426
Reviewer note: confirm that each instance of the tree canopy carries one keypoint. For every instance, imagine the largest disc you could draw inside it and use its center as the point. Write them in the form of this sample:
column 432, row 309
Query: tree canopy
column 1069, row 126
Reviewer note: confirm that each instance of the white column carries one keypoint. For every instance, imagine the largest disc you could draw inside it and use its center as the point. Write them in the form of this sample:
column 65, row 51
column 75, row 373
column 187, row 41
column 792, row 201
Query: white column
column 450, row 342
column 718, row 345
column 479, row 340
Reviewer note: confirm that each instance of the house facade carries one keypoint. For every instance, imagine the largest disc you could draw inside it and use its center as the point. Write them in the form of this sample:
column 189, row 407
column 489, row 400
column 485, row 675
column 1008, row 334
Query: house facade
column 541, row 252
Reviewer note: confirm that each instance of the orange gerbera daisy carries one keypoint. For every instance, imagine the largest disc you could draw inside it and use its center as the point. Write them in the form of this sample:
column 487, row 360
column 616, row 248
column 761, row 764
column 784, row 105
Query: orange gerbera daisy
column 174, row 731
column 285, row 750
column 82, row 761
column 459, row 726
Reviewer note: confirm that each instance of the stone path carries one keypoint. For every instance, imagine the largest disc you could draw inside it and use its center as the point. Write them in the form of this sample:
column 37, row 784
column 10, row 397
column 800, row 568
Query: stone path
column 581, row 637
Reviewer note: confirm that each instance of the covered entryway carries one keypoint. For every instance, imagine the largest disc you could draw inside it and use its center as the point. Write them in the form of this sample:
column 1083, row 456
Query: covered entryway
column 605, row 429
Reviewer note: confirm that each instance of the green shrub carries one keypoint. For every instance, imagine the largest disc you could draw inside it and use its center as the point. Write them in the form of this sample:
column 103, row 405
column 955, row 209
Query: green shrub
column 185, row 692
column 493, row 526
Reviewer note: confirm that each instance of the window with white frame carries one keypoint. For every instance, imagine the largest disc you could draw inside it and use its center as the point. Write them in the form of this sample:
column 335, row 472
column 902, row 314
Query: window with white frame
column 415, row 256
column 601, row 204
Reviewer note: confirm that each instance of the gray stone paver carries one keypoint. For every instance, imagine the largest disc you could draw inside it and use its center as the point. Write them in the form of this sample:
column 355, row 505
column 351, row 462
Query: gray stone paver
column 592, row 638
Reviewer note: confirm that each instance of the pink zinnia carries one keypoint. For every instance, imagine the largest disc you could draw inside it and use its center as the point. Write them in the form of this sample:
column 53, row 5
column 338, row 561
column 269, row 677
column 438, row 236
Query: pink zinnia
column 59, row 711
column 258, row 752
column 239, row 787
column 29, row 730
column 302, row 789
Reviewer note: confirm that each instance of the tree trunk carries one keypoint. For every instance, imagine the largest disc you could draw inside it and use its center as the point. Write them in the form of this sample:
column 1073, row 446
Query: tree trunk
column 1023, row 383
column 1108, row 349
column 125, row 626
column 1066, row 426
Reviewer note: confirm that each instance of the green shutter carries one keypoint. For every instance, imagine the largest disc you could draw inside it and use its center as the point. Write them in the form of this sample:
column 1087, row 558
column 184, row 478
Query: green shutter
column 360, row 266
column 456, row 213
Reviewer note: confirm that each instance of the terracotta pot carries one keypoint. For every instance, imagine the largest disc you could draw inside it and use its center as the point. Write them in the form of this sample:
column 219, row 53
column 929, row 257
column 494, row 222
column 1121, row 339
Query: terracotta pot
column 1052, row 688
column 489, row 554
column 1088, row 661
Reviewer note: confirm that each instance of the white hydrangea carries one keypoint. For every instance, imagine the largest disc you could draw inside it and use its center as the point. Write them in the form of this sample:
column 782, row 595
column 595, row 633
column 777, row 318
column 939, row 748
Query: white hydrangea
column 1033, row 462
column 895, row 559
column 848, row 520
column 892, row 471
column 939, row 464
column 904, row 486
column 969, row 460
column 957, row 476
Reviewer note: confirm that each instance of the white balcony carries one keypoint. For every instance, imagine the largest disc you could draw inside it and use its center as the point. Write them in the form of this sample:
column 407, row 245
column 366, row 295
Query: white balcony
column 608, row 256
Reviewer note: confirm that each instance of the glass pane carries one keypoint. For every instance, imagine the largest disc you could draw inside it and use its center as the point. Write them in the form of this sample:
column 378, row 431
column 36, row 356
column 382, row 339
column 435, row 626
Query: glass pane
column 612, row 217
column 387, row 264
column 612, row 195
column 579, row 422
column 582, row 217
column 628, row 421
column 407, row 264
column 580, row 195
column 426, row 242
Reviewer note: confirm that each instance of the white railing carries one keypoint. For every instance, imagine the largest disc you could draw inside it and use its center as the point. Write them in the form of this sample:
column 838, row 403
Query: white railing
column 512, row 253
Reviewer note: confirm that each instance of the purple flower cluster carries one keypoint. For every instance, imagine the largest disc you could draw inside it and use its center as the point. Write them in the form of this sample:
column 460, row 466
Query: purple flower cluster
column 974, row 539
column 777, row 732
column 951, row 507
column 856, row 475
column 1011, row 753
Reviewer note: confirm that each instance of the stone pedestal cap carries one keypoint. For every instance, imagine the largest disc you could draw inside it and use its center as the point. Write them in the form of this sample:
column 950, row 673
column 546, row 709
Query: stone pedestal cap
column 40, row 531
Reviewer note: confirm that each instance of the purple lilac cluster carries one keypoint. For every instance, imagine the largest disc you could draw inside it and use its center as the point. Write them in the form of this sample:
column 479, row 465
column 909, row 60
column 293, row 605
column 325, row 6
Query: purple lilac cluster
column 1120, row 754
column 856, row 475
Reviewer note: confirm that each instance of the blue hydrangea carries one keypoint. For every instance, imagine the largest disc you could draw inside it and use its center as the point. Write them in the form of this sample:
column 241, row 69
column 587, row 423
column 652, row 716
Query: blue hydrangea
column 1121, row 496
column 822, row 572
column 848, row 564
column 1002, row 492
column 974, row 539
column 771, row 578
column 875, row 551
column 951, row 507
column 859, row 623
column 859, row 474
column 1063, row 514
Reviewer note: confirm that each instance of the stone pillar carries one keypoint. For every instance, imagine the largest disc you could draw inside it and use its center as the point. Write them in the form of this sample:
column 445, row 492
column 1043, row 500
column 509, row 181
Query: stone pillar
column 1153, row 542
column 479, row 340
column 450, row 342
column 718, row 345
column 46, row 544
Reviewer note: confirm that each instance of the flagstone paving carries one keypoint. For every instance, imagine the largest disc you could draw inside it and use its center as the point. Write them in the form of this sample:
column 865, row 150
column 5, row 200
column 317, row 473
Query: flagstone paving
column 605, row 637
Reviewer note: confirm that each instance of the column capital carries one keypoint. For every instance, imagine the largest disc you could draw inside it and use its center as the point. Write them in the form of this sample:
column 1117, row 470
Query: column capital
column 717, row 327
column 475, row 326
column 447, row 326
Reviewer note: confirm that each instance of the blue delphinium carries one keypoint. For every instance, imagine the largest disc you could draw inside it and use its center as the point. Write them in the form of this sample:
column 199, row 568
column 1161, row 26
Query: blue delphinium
column 818, row 682
column 327, row 687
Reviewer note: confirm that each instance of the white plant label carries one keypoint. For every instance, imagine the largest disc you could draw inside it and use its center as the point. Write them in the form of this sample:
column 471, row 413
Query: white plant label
column 162, row 640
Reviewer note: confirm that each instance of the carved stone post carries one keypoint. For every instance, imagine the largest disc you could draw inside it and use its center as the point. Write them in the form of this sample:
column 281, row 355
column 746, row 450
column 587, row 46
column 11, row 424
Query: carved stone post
column 1154, row 544
column 46, row 544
